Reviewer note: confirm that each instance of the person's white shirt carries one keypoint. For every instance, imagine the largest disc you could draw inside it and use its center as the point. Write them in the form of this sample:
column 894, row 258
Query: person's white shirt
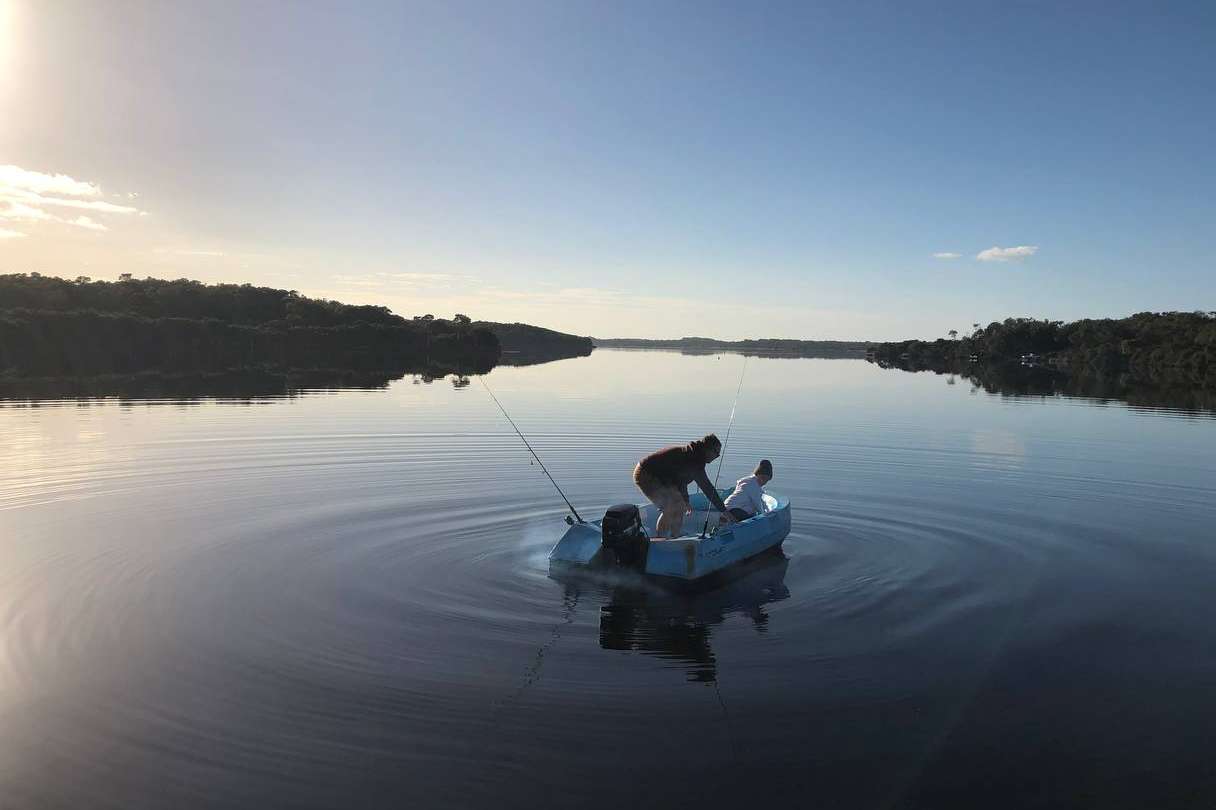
column 748, row 495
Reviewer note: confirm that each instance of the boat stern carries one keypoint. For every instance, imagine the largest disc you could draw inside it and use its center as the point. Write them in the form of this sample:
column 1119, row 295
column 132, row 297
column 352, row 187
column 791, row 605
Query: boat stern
column 578, row 546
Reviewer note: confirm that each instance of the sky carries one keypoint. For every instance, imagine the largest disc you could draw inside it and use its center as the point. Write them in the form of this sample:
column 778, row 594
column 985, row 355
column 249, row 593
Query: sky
column 851, row 170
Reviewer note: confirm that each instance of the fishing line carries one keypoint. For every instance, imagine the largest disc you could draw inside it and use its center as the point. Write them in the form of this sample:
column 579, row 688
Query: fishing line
column 729, row 425
column 730, row 737
column 541, row 463
column 533, row 672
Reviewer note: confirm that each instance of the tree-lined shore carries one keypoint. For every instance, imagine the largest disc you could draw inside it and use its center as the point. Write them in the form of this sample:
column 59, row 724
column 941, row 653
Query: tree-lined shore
column 55, row 327
column 524, row 344
column 1176, row 348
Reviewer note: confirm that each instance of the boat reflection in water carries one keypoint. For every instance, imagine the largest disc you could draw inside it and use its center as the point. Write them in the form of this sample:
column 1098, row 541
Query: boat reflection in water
column 641, row 616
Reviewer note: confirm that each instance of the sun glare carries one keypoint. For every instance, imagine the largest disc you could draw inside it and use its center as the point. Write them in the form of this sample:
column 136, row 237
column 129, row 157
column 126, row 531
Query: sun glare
column 8, row 40
column 10, row 18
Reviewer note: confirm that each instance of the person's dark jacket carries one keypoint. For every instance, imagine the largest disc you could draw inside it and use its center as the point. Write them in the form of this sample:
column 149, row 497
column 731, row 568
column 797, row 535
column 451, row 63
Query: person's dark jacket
column 680, row 466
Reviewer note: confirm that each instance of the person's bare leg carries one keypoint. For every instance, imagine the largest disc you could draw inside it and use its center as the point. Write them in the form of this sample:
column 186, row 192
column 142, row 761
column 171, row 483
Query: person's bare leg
column 671, row 513
column 676, row 523
column 661, row 527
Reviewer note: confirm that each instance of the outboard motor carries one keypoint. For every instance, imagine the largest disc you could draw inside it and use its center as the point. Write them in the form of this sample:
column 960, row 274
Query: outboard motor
column 624, row 540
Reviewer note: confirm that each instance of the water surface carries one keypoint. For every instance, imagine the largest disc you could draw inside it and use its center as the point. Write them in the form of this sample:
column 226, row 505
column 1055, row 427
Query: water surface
column 341, row 598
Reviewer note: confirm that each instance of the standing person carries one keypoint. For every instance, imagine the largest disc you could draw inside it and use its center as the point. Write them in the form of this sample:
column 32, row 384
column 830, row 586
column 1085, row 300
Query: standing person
column 664, row 476
column 748, row 498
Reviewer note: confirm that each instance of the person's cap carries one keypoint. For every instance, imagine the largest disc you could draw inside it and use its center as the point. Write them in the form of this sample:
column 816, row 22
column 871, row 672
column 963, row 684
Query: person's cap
column 765, row 467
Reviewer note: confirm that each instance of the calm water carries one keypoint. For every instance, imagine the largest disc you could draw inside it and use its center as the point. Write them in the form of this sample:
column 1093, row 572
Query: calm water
column 341, row 598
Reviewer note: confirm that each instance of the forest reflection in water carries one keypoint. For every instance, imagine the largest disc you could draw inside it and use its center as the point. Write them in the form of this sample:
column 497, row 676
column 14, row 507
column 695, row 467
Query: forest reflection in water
column 1019, row 380
column 232, row 387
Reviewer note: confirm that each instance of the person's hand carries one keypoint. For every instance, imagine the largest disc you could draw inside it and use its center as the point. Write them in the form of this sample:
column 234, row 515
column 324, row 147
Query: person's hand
column 688, row 508
column 729, row 518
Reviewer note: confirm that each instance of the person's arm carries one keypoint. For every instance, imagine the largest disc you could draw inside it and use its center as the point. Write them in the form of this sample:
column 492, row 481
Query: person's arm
column 708, row 488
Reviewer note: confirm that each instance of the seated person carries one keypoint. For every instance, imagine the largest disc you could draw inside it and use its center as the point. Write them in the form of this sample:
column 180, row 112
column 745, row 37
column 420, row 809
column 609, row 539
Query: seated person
column 748, row 498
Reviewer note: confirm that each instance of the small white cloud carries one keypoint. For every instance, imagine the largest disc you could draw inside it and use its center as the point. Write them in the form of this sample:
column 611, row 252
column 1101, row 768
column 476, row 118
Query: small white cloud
column 947, row 255
column 1009, row 254
column 5, row 233
column 89, row 223
column 39, row 183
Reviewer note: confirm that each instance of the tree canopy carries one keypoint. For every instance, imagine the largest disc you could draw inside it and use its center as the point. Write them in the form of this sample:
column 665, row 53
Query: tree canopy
column 51, row 326
column 1180, row 346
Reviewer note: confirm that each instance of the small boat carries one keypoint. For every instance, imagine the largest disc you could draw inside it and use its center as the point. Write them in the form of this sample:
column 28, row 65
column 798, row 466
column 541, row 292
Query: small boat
column 623, row 538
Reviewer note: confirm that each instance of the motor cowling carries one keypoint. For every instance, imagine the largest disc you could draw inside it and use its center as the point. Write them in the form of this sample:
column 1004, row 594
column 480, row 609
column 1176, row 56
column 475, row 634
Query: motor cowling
column 624, row 541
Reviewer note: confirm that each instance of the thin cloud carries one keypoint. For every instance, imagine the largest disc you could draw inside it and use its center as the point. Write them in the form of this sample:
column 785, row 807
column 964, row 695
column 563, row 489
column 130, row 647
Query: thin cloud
column 5, row 233
column 563, row 296
column 90, row 205
column 19, row 210
column 412, row 280
column 358, row 281
column 947, row 255
column 1007, row 254
column 27, row 195
column 164, row 251
column 88, row 223
column 24, row 196
column 419, row 276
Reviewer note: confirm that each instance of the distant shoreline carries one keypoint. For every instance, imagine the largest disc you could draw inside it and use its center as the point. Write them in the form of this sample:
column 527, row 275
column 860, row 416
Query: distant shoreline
column 745, row 352
column 775, row 347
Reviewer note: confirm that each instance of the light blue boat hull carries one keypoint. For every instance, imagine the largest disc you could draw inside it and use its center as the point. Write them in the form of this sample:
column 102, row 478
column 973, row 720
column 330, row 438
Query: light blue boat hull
column 689, row 557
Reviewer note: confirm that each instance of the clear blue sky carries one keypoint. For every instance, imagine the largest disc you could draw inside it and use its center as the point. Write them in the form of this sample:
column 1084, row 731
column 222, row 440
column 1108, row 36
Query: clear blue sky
column 665, row 169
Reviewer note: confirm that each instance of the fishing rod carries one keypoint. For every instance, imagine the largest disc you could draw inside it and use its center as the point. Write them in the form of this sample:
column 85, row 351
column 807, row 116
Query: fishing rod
column 533, row 452
column 729, row 425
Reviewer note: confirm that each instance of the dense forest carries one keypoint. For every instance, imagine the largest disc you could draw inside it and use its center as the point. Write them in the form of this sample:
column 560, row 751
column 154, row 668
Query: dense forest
column 768, row 346
column 54, row 327
column 1175, row 348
